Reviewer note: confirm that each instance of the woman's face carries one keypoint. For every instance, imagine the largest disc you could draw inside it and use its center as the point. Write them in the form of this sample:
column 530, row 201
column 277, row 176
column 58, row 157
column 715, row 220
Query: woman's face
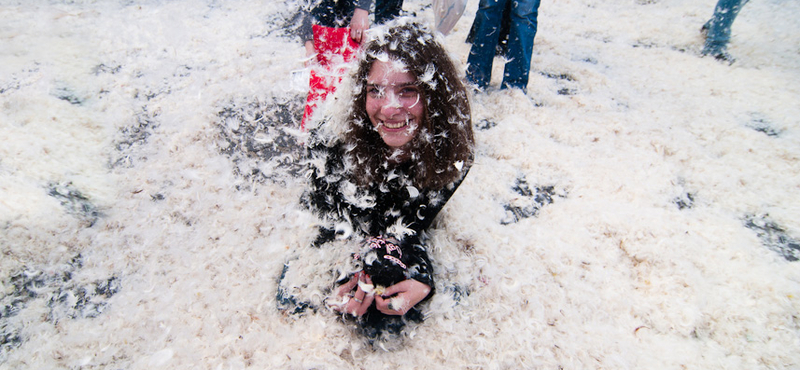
column 395, row 104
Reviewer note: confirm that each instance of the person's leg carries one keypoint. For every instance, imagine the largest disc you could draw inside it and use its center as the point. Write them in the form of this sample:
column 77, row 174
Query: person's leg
column 719, row 27
column 505, row 26
column 386, row 10
column 331, row 13
column 524, row 15
column 487, row 33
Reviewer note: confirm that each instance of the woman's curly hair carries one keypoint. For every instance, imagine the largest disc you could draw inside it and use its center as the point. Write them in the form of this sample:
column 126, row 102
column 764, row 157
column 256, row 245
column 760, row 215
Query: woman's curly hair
column 443, row 145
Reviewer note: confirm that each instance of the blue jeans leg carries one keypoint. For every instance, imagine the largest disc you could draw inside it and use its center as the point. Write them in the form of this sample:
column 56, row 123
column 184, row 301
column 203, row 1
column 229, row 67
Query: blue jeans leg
column 524, row 15
column 719, row 27
column 487, row 34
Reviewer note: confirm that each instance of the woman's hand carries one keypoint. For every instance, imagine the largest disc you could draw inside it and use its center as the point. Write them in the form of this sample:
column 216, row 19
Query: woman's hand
column 358, row 302
column 408, row 294
column 359, row 24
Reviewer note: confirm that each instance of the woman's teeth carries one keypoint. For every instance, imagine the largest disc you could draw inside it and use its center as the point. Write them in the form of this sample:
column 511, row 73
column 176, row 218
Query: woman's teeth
column 395, row 125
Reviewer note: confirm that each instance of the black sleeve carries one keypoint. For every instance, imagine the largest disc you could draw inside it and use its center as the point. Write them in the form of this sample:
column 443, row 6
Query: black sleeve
column 412, row 208
column 434, row 201
column 418, row 262
column 424, row 212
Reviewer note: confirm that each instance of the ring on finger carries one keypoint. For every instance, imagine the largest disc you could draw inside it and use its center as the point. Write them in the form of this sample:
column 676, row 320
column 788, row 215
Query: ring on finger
column 358, row 300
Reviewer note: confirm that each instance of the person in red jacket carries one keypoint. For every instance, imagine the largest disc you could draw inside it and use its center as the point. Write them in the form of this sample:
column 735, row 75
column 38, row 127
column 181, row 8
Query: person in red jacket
column 331, row 33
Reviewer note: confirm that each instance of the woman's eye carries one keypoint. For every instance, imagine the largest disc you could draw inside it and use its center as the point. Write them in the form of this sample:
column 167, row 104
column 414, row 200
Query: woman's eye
column 409, row 92
column 374, row 92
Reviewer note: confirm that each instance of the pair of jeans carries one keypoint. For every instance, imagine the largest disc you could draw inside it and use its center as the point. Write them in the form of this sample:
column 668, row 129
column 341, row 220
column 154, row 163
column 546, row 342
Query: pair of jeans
column 332, row 13
column 386, row 10
column 522, row 23
column 718, row 28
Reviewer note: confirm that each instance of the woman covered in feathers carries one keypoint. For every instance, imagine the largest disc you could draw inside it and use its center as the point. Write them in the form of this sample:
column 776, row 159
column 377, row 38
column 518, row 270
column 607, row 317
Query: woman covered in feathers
column 381, row 173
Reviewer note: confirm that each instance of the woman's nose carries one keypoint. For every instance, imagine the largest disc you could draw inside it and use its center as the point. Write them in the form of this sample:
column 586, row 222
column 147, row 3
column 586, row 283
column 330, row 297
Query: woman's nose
column 391, row 104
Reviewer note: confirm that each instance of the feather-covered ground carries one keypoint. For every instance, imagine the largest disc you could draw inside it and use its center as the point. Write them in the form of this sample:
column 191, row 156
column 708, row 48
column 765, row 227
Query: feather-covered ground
column 637, row 209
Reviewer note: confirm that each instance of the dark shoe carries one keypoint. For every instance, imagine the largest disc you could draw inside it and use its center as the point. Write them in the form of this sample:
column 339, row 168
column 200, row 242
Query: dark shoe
column 718, row 52
column 725, row 57
column 722, row 56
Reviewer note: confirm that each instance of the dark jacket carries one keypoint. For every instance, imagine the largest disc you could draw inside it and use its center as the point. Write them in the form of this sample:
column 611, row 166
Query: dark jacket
column 394, row 208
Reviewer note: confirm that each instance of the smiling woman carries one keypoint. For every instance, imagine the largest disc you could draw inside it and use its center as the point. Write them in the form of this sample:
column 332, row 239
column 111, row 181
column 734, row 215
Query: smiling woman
column 405, row 147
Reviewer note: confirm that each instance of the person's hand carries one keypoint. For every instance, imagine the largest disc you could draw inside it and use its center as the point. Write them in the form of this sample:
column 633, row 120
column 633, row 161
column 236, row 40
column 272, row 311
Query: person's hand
column 359, row 300
column 408, row 294
column 359, row 25
column 310, row 54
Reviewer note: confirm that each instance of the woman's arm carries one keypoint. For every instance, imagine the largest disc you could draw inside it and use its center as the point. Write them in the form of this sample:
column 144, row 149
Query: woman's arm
column 422, row 210
column 416, row 209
